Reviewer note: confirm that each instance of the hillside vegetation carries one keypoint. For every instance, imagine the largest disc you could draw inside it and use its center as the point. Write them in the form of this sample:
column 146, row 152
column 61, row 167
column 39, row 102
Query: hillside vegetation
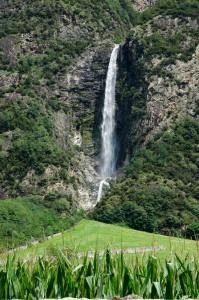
column 40, row 42
column 23, row 220
column 159, row 189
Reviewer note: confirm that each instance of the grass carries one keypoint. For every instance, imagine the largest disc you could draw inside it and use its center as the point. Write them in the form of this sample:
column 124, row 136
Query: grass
column 92, row 235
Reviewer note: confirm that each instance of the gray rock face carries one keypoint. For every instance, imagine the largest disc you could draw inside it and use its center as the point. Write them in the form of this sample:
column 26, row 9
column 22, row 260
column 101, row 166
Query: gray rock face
column 8, row 79
column 81, row 90
column 169, row 83
column 169, row 99
column 88, row 181
column 141, row 5
column 78, row 90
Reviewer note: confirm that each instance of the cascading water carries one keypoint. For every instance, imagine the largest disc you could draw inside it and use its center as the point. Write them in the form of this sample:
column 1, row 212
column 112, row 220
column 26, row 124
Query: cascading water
column 108, row 154
column 99, row 195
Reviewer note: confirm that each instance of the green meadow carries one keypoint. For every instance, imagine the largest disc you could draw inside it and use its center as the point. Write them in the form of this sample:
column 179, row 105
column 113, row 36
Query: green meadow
column 91, row 235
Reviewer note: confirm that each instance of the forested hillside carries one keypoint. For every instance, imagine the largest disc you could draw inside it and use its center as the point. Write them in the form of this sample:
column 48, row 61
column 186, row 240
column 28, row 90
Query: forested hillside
column 54, row 57
column 159, row 189
column 40, row 42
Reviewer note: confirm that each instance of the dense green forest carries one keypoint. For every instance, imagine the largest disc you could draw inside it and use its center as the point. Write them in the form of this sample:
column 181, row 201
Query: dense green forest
column 29, row 218
column 159, row 191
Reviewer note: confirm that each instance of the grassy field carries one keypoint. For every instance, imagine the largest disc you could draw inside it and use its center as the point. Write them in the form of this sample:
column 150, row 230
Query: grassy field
column 59, row 275
column 91, row 235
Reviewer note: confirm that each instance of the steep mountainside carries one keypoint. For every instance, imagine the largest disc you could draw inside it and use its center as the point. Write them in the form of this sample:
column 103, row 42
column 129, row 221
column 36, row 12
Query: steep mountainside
column 54, row 58
column 158, row 91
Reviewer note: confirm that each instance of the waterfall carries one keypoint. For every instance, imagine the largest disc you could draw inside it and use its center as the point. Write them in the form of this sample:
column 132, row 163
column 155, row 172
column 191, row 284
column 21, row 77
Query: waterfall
column 99, row 195
column 108, row 153
column 108, row 161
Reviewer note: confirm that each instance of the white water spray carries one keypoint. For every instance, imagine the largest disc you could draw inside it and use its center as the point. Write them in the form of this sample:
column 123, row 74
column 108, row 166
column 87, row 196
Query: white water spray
column 108, row 163
column 99, row 195
column 108, row 154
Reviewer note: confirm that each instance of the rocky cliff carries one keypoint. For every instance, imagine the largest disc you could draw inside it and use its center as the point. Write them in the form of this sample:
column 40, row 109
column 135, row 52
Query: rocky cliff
column 158, row 77
column 157, row 123
column 55, row 57
column 141, row 5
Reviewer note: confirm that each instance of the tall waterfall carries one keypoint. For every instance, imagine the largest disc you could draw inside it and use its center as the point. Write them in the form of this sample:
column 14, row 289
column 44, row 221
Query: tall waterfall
column 108, row 160
column 108, row 154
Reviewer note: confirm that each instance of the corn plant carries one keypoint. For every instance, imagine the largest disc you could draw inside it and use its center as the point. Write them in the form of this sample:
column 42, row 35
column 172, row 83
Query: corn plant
column 64, row 275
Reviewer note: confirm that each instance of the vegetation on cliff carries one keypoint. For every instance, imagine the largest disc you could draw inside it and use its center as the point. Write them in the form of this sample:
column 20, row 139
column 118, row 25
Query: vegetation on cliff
column 39, row 42
column 159, row 189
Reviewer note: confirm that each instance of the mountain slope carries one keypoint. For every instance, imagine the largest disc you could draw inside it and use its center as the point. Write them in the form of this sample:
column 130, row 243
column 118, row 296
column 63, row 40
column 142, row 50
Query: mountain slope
column 158, row 92
column 53, row 65
column 54, row 56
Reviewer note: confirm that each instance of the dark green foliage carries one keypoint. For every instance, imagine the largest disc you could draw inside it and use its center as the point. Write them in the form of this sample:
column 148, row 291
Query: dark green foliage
column 23, row 219
column 30, row 119
column 160, row 189
column 192, row 231
column 169, row 45
column 16, row 21
column 175, row 8
column 158, row 44
column 32, row 141
column 49, row 12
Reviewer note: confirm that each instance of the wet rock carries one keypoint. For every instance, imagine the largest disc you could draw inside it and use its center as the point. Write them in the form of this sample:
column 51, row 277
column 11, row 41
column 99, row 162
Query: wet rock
column 82, row 89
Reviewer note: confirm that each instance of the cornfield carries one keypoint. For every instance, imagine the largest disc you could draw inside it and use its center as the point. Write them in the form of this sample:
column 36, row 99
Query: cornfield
column 101, row 277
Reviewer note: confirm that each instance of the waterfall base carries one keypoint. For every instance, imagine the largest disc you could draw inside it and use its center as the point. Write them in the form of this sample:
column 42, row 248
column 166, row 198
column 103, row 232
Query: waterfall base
column 99, row 195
